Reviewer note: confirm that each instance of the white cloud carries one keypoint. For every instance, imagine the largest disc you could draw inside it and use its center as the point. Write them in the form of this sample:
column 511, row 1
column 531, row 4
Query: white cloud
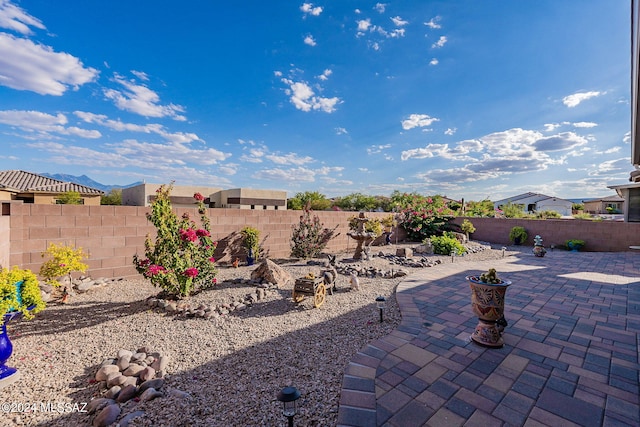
column 497, row 154
column 576, row 98
column 120, row 126
column 289, row 175
column 609, row 167
column 559, row 142
column 375, row 149
column 160, row 160
column 450, row 131
column 44, row 124
column 139, row 99
column 440, row 43
column 399, row 22
column 434, row 61
column 433, row 23
column 308, row 9
column 289, row 159
column 325, row 75
column 141, row 75
column 26, row 65
column 418, row 120
column 341, row 131
column 16, row 19
column 304, row 98
column 380, row 7
column 584, row 124
column 308, row 40
column 363, row 25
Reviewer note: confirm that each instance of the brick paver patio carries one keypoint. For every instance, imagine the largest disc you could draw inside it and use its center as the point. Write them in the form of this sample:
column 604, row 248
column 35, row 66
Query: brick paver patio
column 570, row 356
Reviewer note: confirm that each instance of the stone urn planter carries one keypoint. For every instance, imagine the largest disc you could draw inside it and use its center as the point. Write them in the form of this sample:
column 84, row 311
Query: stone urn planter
column 487, row 302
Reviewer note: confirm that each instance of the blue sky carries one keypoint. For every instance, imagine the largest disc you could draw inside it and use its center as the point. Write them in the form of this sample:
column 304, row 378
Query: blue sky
column 464, row 98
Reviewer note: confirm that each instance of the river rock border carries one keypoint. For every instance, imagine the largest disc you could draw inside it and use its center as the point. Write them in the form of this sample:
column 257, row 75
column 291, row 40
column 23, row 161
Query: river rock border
column 126, row 380
column 215, row 312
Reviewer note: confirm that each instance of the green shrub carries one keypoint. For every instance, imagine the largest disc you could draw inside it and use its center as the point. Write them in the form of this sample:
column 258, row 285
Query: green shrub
column 467, row 227
column 446, row 244
column 548, row 214
column 518, row 234
column 309, row 237
column 251, row 240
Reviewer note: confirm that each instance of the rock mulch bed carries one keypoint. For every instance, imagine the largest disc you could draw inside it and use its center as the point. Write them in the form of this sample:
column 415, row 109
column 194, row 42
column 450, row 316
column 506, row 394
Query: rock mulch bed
column 230, row 369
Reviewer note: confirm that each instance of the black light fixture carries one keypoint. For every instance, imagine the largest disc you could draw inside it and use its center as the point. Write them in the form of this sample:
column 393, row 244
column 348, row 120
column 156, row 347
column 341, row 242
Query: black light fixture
column 380, row 302
column 288, row 396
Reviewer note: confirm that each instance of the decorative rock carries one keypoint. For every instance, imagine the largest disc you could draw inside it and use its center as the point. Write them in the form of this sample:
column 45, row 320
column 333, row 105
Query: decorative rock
column 241, row 307
column 99, row 403
column 180, row 394
column 133, row 370
column 104, row 372
column 85, row 287
column 129, row 381
column 115, row 378
column 113, row 392
column 124, row 422
column 123, row 362
column 143, row 349
column 172, row 307
column 127, row 393
column 138, row 356
column 107, row 416
column 156, row 383
column 271, row 272
column 123, row 352
column 147, row 373
column 149, row 360
column 404, row 252
column 149, row 394
column 106, row 362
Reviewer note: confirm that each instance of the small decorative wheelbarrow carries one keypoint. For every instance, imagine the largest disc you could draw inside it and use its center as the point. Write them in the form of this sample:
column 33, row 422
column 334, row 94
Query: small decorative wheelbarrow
column 310, row 286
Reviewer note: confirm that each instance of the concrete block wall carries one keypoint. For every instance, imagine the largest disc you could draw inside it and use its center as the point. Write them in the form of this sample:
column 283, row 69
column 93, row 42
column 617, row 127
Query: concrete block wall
column 599, row 236
column 111, row 235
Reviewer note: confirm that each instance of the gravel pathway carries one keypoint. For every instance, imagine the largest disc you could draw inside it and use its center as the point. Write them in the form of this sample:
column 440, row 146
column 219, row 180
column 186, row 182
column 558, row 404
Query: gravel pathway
column 232, row 367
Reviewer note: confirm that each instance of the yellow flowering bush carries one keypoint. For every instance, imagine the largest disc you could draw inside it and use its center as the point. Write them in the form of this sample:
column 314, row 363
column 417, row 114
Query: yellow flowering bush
column 25, row 297
column 64, row 260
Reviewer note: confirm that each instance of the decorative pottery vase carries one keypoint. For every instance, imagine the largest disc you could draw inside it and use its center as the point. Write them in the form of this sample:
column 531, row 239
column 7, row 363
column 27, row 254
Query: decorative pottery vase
column 6, row 348
column 487, row 302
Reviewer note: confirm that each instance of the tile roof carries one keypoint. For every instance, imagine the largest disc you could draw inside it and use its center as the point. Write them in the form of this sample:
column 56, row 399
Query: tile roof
column 27, row 182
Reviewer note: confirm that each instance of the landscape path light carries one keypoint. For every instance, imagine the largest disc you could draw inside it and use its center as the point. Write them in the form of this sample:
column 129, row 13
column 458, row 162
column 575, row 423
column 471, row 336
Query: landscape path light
column 380, row 302
column 288, row 396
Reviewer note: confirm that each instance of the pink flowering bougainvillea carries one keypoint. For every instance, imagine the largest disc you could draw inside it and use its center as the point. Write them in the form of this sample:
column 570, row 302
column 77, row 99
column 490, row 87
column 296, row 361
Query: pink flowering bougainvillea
column 180, row 259
column 421, row 216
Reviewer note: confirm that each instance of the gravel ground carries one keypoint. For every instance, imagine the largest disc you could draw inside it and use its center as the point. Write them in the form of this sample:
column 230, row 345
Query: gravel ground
column 232, row 367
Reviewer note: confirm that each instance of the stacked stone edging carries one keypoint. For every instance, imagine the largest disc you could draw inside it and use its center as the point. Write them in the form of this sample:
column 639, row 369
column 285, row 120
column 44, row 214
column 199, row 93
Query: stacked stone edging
column 126, row 380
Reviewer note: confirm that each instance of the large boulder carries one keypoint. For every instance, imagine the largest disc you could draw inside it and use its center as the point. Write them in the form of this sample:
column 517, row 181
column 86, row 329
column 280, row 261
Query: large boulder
column 269, row 271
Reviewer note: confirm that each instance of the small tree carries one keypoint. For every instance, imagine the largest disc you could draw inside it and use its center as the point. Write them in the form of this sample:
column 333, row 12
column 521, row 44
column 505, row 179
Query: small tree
column 181, row 257
column 251, row 241
column 63, row 261
column 69, row 198
column 467, row 227
column 114, row 197
column 310, row 237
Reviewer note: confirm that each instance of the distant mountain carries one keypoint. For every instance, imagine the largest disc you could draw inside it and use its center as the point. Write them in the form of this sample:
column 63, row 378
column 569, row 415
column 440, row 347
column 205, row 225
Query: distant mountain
column 85, row 180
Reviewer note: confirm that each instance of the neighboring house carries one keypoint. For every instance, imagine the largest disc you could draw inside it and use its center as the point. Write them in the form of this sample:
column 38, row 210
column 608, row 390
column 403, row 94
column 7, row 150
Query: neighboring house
column 33, row 188
column 534, row 202
column 599, row 206
column 182, row 196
